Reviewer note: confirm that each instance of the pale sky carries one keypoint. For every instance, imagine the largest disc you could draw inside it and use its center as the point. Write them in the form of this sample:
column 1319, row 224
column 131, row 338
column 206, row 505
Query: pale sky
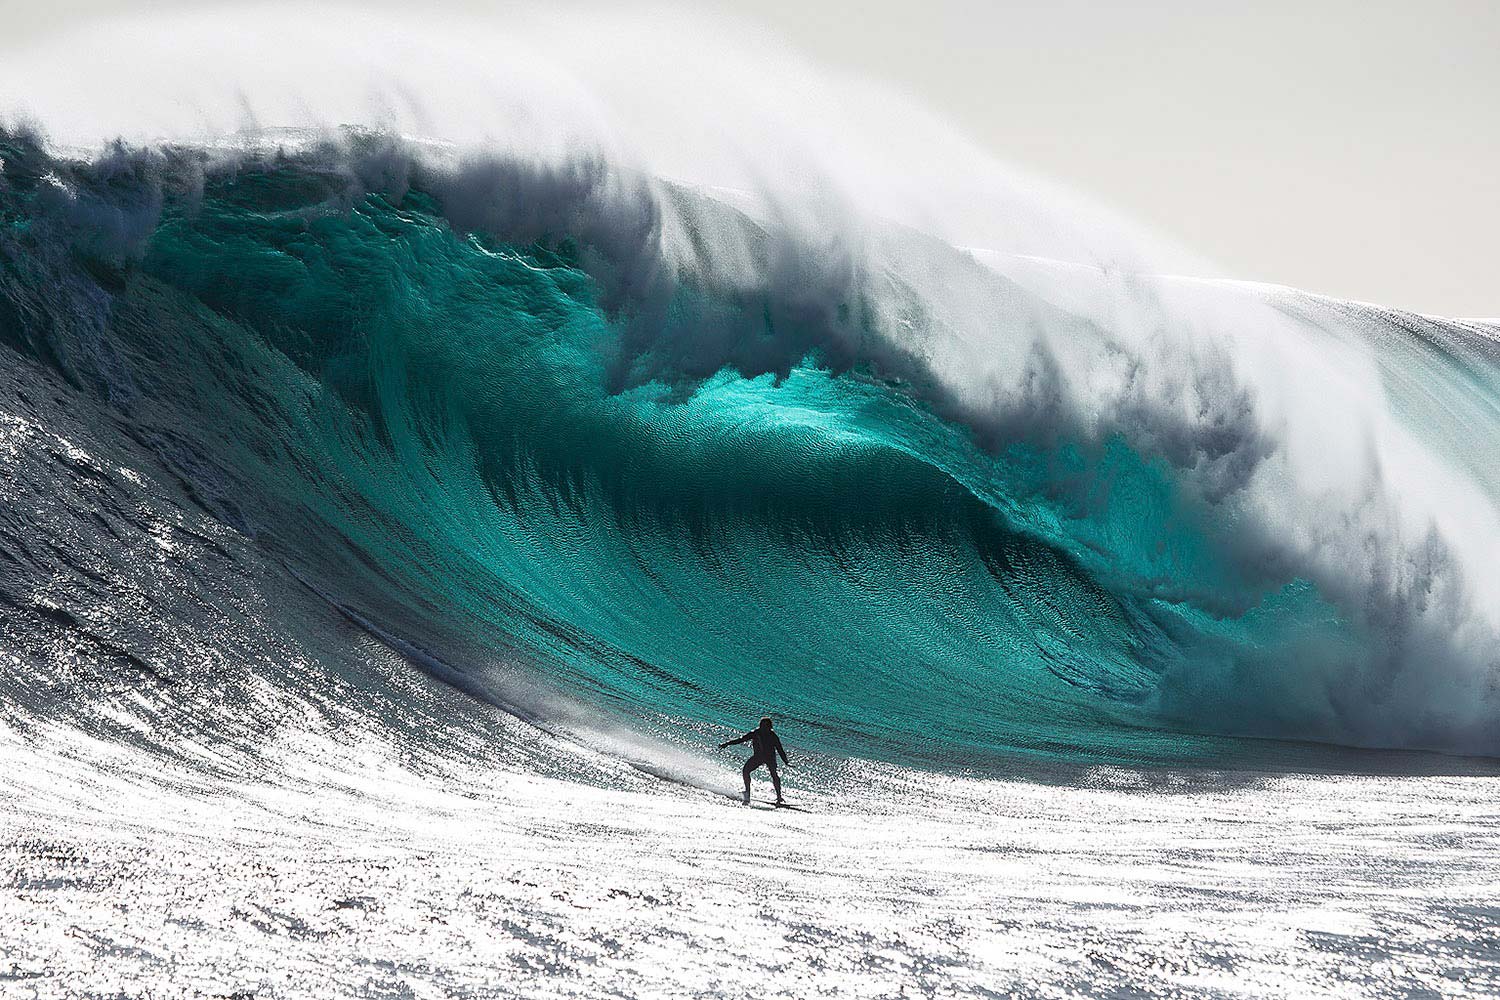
column 1348, row 148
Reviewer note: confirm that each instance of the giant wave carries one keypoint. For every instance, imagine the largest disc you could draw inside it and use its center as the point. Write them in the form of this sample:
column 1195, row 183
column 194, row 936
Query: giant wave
column 608, row 449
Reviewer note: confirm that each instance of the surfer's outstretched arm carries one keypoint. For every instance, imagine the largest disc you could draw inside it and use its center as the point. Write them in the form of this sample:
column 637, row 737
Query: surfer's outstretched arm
column 730, row 743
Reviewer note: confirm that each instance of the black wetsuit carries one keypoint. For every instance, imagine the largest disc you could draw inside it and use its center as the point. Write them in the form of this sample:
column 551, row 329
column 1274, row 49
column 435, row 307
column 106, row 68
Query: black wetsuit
column 766, row 745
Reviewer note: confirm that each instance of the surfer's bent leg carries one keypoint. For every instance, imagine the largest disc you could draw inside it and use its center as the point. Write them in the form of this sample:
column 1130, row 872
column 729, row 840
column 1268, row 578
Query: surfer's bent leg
column 750, row 765
column 775, row 777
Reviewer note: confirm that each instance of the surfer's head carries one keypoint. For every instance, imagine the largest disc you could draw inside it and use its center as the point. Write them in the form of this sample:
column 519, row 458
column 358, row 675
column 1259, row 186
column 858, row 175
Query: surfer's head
column 765, row 722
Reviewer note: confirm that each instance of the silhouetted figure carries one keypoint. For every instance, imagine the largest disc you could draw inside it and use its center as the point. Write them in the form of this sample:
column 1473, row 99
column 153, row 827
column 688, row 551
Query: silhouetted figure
column 766, row 745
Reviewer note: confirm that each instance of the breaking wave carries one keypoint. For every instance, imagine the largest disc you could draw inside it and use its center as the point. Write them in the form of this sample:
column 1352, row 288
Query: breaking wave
column 670, row 457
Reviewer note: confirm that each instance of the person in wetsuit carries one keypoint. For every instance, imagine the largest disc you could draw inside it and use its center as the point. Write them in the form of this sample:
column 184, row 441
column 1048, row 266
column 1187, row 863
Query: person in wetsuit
column 766, row 745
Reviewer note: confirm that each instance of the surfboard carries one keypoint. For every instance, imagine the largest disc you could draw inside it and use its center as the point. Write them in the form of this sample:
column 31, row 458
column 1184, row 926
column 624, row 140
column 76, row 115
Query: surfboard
column 756, row 804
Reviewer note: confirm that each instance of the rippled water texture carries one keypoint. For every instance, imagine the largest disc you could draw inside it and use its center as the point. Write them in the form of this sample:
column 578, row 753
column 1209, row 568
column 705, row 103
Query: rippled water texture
column 405, row 842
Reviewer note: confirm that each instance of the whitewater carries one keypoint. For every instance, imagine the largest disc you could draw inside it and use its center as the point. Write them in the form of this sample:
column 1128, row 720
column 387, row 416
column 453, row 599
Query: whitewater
column 420, row 455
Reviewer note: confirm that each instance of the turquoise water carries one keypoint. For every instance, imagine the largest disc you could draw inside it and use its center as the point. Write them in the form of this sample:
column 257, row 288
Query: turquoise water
column 678, row 499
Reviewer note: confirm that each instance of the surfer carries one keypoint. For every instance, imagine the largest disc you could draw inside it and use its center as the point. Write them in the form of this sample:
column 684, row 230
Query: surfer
column 766, row 745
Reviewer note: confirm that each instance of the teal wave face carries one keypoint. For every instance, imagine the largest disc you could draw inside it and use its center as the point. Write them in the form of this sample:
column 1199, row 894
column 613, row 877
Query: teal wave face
column 498, row 449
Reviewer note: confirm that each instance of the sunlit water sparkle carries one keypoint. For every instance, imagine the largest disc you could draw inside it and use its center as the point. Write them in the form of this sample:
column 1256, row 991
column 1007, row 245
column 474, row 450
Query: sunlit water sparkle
column 487, row 859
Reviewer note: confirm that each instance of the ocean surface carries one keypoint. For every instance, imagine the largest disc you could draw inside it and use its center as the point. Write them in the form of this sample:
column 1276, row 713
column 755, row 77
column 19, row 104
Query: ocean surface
column 390, row 533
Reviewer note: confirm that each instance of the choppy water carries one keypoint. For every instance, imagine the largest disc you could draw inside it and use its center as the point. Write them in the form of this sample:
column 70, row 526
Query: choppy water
column 405, row 842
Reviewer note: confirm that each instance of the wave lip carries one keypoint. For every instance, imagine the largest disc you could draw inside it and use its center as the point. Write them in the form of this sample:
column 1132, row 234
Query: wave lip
column 678, row 462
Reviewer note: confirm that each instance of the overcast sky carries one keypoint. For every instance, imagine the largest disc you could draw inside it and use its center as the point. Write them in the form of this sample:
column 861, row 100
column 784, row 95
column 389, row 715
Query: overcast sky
column 1349, row 148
